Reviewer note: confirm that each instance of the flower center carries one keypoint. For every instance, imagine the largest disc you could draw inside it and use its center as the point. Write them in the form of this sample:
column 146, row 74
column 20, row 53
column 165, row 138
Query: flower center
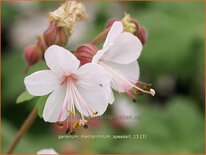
column 68, row 79
column 73, row 99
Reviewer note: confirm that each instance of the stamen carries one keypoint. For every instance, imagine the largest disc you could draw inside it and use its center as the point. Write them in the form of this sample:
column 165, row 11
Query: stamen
column 151, row 91
column 76, row 125
column 72, row 133
column 87, row 107
column 94, row 112
column 71, row 113
column 60, row 124
column 85, row 126
column 67, row 131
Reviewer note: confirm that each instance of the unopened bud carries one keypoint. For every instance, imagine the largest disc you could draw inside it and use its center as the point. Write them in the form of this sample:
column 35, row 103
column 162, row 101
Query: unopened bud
column 110, row 22
column 32, row 54
column 55, row 35
column 85, row 53
column 41, row 44
column 132, row 26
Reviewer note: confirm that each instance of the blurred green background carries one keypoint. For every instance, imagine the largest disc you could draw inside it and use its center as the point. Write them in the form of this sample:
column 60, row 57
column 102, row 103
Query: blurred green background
column 172, row 60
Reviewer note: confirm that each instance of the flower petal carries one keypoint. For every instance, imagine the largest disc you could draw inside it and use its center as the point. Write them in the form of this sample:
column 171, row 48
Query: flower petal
column 47, row 151
column 114, row 31
column 94, row 86
column 54, row 104
column 98, row 55
column 41, row 83
column 129, row 72
column 60, row 60
column 125, row 49
column 111, row 98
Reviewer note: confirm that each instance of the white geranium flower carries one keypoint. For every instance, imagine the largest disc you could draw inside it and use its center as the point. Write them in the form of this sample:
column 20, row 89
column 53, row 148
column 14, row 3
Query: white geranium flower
column 119, row 57
column 72, row 87
column 47, row 151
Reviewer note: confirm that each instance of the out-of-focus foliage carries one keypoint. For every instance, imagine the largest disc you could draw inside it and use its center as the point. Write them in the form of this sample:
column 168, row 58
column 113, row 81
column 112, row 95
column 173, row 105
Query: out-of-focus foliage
column 172, row 60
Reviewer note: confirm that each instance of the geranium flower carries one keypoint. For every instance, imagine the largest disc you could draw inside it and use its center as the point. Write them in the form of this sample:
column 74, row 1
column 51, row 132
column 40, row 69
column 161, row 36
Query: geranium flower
column 72, row 87
column 119, row 57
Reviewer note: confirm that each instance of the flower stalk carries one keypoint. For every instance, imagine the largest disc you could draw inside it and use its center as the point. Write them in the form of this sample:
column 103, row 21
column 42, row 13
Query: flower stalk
column 27, row 123
column 101, row 36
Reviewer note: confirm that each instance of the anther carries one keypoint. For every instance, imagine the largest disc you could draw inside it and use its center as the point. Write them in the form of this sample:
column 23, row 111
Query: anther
column 85, row 126
column 95, row 113
column 60, row 124
column 71, row 113
column 76, row 125
column 134, row 100
column 67, row 131
column 72, row 133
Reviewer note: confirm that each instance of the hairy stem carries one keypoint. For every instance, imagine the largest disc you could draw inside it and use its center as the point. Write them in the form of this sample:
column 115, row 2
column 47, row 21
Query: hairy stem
column 22, row 130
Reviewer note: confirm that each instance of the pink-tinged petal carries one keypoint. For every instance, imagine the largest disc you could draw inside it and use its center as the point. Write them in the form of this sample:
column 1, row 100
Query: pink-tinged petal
column 54, row 106
column 47, row 151
column 129, row 72
column 125, row 49
column 41, row 83
column 60, row 60
column 94, row 87
column 115, row 30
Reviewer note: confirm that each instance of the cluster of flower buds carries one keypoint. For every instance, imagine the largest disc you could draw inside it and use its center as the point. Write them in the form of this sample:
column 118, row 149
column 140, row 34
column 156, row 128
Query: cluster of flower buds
column 131, row 25
column 58, row 32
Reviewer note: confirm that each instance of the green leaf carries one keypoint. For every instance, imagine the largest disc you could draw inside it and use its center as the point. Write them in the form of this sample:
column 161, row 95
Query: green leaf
column 40, row 104
column 25, row 96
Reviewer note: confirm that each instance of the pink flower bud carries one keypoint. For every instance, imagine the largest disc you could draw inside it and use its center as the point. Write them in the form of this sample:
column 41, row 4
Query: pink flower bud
column 140, row 31
column 55, row 35
column 110, row 22
column 132, row 26
column 32, row 54
column 41, row 44
column 85, row 53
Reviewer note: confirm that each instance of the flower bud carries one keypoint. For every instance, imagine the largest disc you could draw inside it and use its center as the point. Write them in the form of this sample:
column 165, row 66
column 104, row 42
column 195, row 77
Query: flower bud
column 55, row 35
column 85, row 53
column 132, row 26
column 41, row 44
column 32, row 54
column 110, row 22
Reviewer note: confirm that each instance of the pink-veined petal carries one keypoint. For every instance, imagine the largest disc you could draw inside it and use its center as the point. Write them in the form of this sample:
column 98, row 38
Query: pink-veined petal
column 41, row 83
column 94, row 87
column 129, row 72
column 60, row 60
column 54, row 106
column 125, row 49
column 114, row 31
